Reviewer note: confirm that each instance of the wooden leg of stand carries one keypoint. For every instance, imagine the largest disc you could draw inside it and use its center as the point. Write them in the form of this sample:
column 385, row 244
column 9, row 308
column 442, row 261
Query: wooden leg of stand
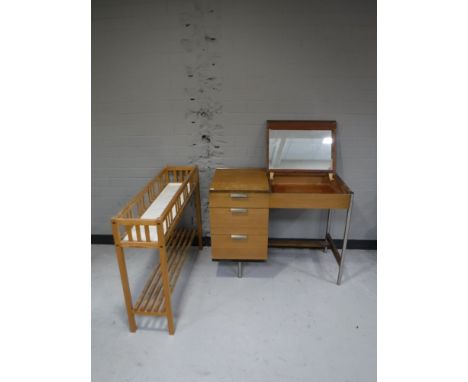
column 198, row 216
column 126, row 289
column 166, row 289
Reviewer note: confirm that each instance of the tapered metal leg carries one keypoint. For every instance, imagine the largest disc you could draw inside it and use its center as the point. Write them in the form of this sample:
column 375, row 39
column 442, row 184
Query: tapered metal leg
column 239, row 269
column 345, row 239
column 328, row 229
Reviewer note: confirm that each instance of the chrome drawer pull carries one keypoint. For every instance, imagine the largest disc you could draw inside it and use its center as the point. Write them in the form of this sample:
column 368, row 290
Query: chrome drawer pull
column 239, row 196
column 239, row 210
column 238, row 237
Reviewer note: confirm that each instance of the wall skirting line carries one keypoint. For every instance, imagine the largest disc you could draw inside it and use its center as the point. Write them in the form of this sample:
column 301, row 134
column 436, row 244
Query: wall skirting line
column 352, row 244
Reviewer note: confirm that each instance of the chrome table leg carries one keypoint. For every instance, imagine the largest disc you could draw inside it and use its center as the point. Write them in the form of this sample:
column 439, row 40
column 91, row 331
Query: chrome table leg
column 327, row 231
column 239, row 269
column 345, row 239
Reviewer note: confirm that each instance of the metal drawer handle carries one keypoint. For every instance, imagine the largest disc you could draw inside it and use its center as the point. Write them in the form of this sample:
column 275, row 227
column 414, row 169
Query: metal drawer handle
column 239, row 196
column 239, row 210
column 238, row 237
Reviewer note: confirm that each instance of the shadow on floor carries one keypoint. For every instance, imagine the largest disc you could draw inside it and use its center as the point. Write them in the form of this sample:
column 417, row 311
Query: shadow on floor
column 261, row 269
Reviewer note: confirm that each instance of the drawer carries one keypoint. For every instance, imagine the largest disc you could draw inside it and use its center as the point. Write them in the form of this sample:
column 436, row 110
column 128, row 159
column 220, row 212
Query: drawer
column 252, row 221
column 246, row 247
column 239, row 199
column 309, row 200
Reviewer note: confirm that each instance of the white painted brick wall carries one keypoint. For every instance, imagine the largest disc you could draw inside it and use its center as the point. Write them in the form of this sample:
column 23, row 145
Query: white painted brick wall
column 294, row 59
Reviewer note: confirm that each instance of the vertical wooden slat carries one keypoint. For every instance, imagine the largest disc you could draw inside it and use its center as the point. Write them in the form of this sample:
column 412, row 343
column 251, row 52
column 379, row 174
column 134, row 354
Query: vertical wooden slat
column 144, row 199
column 140, row 206
column 138, row 232
column 147, row 233
column 128, row 228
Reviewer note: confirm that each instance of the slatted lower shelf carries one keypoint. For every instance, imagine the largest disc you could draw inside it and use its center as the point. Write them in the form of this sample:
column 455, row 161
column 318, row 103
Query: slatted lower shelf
column 151, row 301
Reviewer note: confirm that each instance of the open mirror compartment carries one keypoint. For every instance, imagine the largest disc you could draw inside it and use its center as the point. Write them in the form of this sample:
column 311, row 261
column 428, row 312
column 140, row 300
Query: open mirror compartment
column 301, row 156
column 301, row 146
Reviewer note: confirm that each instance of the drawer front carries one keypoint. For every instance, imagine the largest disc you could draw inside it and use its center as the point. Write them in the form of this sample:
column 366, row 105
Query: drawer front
column 239, row 247
column 301, row 200
column 239, row 199
column 253, row 221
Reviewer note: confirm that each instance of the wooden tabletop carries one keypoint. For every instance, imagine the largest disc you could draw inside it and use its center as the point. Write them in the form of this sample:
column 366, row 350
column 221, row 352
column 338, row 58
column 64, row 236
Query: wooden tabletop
column 245, row 179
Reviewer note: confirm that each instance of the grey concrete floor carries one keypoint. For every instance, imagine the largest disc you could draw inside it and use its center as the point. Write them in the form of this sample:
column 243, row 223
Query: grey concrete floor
column 285, row 320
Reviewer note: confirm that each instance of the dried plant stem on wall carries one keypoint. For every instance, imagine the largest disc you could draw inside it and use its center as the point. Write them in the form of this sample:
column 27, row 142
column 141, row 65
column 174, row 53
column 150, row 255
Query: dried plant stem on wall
column 200, row 43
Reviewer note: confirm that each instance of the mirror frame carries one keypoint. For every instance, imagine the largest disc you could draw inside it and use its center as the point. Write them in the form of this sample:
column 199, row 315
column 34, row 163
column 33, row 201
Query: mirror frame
column 301, row 125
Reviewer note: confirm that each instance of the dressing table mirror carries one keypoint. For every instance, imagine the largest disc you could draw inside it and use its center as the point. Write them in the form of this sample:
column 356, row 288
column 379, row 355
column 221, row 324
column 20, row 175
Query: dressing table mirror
column 301, row 157
column 311, row 150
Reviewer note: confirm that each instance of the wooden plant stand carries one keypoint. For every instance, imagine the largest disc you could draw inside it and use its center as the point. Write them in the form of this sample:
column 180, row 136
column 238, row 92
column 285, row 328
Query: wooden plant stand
column 150, row 220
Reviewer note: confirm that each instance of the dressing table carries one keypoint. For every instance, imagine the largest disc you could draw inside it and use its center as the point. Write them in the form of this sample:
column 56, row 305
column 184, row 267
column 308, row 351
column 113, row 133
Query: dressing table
column 301, row 173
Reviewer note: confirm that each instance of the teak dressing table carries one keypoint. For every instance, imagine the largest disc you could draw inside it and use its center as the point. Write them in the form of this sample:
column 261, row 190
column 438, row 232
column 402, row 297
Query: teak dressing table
column 301, row 173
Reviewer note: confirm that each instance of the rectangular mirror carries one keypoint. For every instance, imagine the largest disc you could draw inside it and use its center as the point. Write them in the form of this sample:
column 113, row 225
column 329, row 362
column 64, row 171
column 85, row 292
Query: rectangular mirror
column 301, row 146
column 301, row 150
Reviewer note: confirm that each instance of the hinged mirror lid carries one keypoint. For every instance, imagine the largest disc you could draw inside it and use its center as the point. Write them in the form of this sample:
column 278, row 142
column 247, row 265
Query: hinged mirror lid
column 301, row 146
